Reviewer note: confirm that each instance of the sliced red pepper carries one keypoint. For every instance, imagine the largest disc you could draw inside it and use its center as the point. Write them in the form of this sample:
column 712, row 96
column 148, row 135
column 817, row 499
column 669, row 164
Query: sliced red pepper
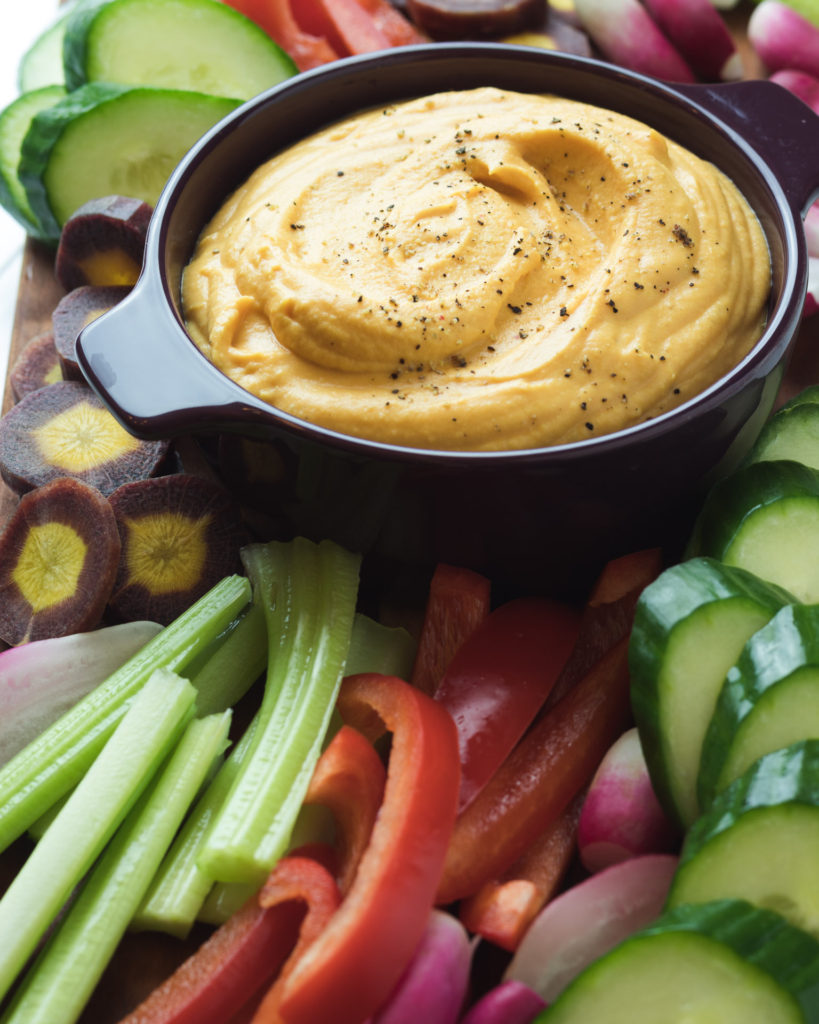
column 344, row 23
column 245, row 953
column 499, row 679
column 552, row 763
column 608, row 614
column 398, row 29
column 276, row 17
column 458, row 601
column 349, row 780
column 501, row 911
column 352, row 967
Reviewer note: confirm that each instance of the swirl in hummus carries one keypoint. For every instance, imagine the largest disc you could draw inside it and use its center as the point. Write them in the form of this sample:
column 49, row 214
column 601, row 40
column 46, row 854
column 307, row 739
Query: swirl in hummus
column 480, row 270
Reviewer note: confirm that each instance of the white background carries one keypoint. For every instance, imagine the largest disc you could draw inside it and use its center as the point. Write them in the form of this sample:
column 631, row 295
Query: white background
column 20, row 28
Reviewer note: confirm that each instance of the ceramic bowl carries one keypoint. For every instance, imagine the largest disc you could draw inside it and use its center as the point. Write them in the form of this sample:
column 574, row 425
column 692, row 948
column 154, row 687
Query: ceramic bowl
column 531, row 519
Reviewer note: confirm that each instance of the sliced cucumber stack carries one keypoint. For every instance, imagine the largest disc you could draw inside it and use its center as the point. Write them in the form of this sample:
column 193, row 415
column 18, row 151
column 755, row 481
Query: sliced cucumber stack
column 764, row 517
column 759, row 841
column 202, row 45
column 42, row 63
column 727, row 962
column 15, row 121
column 104, row 139
column 769, row 700
column 689, row 627
column 792, row 432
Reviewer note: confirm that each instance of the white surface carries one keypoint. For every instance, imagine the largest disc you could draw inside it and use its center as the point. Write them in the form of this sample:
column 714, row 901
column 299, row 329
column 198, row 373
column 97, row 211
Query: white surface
column 20, row 29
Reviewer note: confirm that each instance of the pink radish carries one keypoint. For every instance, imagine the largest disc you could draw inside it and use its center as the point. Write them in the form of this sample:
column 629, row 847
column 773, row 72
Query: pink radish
column 801, row 84
column 783, row 38
column 511, row 1002
column 588, row 920
column 700, row 34
column 621, row 816
column 812, row 234
column 627, row 35
column 433, row 987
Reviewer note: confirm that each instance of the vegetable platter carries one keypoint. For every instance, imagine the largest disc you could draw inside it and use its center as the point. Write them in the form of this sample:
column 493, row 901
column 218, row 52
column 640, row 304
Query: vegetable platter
column 143, row 959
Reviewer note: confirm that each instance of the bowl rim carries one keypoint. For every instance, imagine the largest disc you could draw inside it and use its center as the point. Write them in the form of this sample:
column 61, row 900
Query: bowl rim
column 765, row 354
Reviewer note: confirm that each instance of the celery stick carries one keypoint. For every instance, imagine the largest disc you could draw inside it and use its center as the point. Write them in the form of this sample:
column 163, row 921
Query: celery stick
column 223, row 900
column 63, row 977
column 179, row 887
column 309, row 593
column 375, row 647
column 110, row 787
column 33, row 780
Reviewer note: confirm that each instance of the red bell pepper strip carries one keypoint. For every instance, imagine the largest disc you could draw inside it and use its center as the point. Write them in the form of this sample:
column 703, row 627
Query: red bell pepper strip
column 353, row 966
column 276, row 17
column 398, row 29
column 608, row 614
column 499, row 679
column 349, row 780
column 245, row 953
column 458, row 601
column 502, row 910
column 552, row 763
column 344, row 23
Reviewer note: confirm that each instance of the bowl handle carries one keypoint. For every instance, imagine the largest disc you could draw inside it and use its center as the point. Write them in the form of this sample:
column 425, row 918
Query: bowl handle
column 780, row 127
column 143, row 365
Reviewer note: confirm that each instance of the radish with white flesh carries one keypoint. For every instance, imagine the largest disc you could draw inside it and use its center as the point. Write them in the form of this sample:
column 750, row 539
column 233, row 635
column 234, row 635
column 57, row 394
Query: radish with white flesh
column 42, row 679
column 434, row 985
column 627, row 35
column 621, row 816
column 812, row 235
column 510, row 1002
column 783, row 38
column 589, row 919
column 700, row 34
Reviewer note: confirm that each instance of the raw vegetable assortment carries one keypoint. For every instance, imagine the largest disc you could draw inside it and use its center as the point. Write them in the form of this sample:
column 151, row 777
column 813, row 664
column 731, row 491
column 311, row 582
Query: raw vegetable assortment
column 339, row 874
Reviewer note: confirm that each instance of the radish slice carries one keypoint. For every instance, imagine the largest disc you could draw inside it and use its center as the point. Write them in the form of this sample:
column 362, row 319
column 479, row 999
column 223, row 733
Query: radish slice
column 511, row 1002
column 700, row 34
column 621, row 816
column 42, row 679
column 783, row 38
column 434, row 985
column 588, row 920
column 812, row 298
column 801, row 84
column 628, row 35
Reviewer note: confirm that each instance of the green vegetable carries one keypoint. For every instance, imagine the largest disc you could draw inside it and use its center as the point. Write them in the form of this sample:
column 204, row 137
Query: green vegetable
column 764, row 517
column 42, row 62
column 759, row 840
column 726, row 962
column 15, row 120
column 62, row 979
column 690, row 625
column 309, row 594
column 202, row 45
column 792, row 433
column 375, row 647
column 78, row 834
column 56, row 761
column 770, row 698
column 105, row 139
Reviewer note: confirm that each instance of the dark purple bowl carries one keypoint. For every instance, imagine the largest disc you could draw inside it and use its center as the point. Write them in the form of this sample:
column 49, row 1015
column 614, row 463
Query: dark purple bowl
column 542, row 518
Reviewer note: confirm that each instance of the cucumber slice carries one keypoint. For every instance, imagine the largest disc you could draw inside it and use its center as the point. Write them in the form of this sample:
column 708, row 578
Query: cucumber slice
column 203, row 45
column 42, row 63
column 792, row 433
column 690, row 625
column 770, row 698
column 15, row 120
column 764, row 517
column 105, row 139
column 759, row 840
column 726, row 962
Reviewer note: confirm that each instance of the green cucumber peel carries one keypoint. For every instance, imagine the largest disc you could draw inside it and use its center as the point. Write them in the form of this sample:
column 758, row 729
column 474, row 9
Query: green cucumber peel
column 49, row 767
column 689, row 627
column 767, row 699
column 60, row 982
column 759, row 839
column 199, row 45
column 179, row 888
column 309, row 593
column 79, row 833
column 792, row 433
